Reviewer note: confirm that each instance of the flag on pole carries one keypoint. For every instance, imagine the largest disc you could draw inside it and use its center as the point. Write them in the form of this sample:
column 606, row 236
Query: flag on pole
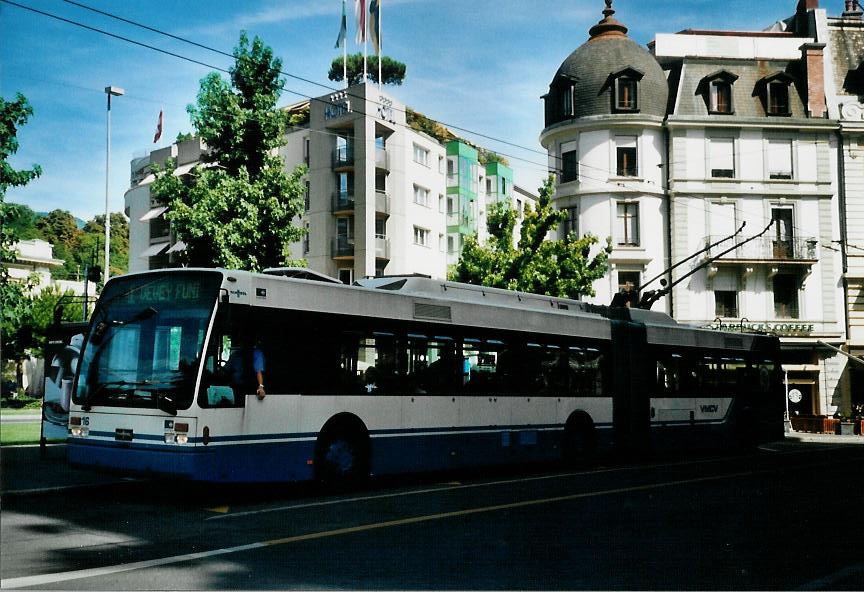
column 158, row 128
column 375, row 25
column 360, row 16
column 343, row 29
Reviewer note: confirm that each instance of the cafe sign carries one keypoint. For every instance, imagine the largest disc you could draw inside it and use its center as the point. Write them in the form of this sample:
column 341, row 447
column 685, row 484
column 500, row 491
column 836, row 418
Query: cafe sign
column 786, row 329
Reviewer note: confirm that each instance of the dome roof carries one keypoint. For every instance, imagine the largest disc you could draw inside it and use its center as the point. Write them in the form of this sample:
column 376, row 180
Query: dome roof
column 591, row 71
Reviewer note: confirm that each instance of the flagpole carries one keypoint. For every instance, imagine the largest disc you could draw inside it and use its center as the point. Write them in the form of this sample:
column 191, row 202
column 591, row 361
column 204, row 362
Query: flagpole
column 380, row 46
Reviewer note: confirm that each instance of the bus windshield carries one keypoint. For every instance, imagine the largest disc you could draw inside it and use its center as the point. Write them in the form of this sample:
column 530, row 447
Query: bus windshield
column 145, row 341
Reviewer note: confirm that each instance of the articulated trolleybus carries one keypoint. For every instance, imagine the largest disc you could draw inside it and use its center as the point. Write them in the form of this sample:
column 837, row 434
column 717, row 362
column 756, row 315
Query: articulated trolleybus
column 394, row 375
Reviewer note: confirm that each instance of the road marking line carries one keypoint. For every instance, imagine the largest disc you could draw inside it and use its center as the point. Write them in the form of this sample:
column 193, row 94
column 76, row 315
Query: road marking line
column 42, row 580
column 456, row 485
column 114, row 569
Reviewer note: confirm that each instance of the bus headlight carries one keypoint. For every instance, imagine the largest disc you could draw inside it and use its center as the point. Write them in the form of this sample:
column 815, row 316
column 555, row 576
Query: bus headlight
column 182, row 438
column 180, row 435
column 79, row 431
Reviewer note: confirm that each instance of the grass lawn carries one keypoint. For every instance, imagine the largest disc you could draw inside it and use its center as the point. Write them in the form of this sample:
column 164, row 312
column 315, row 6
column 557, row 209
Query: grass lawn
column 19, row 433
column 25, row 411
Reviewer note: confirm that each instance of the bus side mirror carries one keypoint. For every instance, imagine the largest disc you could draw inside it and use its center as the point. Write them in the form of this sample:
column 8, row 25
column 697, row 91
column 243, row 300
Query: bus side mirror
column 166, row 403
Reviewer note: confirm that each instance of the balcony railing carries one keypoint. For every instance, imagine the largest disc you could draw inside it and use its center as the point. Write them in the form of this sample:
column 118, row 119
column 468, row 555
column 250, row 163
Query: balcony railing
column 459, row 219
column 382, row 247
column 343, row 156
column 765, row 249
column 342, row 246
column 382, row 203
column 382, row 160
column 343, row 201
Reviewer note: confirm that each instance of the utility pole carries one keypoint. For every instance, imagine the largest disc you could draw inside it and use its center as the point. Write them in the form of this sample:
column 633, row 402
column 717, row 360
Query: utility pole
column 111, row 91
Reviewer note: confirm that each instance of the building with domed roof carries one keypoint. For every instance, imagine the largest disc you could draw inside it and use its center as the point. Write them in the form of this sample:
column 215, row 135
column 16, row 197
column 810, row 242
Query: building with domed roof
column 705, row 135
column 604, row 133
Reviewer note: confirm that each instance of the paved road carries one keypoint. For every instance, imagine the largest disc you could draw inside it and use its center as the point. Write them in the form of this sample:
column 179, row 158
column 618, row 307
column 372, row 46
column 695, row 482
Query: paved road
column 788, row 517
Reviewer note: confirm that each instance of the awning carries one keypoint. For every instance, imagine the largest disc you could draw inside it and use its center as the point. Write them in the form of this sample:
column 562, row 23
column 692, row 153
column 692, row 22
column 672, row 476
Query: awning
column 154, row 250
column 153, row 213
column 177, row 247
column 180, row 170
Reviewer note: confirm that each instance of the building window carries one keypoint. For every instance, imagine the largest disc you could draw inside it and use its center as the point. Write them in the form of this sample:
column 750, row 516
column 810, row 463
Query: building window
column 628, row 281
column 569, row 166
column 627, row 224
column 306, row 150
column 306, row 198
column 778, row 98
column 626, row 156
column 571, row 222
column 784, row 232
column 421, row 155
column 452, row 242
column 785, row 296
column 626, row 93
column 568, row 102
column 421, row 236
column 306, row 240
column 346, row 275
column 726, row 304
column 421, row 196
column 780, row 159
column 720, row 97
column 721, row 157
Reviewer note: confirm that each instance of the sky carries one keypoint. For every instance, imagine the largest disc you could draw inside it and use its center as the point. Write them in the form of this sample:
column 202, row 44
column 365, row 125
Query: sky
column 479, row 65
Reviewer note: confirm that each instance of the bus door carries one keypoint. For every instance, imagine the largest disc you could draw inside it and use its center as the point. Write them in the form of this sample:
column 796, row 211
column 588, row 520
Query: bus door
column 631, row 398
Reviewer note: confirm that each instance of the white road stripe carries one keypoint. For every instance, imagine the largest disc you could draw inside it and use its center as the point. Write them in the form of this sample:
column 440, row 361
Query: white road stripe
column 114, row 569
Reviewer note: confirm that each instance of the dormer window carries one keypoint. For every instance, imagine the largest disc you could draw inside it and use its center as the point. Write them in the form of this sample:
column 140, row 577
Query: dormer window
column 626, row 94
column 625, row 90
column 721, row 97
column 778, row 98
column 776, row 95
column 716, row 89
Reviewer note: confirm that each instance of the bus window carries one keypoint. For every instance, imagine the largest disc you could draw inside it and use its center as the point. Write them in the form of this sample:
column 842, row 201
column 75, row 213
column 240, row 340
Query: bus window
column 586, row 369
column 369, row 364
column 433, row 366
column 481, row 362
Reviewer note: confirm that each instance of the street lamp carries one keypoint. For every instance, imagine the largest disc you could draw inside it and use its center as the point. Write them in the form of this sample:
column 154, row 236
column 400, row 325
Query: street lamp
column 115, row 91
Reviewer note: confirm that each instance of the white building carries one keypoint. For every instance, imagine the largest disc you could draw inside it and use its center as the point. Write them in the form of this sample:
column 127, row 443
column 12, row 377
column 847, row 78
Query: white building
column 671, row 151
column 382, row 197
column 35, row 257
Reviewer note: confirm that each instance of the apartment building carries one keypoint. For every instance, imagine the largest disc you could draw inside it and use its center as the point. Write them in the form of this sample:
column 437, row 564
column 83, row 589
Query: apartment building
column 382, row 197
column 705, row 135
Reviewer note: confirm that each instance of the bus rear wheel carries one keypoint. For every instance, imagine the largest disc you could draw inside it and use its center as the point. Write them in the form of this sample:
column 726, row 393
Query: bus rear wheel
column 580, row 442
column 341, row 459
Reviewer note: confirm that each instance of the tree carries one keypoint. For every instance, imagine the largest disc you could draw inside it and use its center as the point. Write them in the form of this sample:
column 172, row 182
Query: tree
column 59, row 229
column 237, row 209
column 562, row 267
column 392, row 71
column 14, row 306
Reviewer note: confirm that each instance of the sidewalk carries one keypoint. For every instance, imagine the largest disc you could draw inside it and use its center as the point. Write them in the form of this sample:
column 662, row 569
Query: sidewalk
column 24, row 471
column 823, row 438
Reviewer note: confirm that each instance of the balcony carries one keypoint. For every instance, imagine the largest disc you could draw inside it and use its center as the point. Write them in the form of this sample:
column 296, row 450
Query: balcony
column 343, row 202
column 382, row 203
column 342, row 247
column 382, row 247
column 343, row 157
column 382, row 159
column 463, row 221
column 765, row 249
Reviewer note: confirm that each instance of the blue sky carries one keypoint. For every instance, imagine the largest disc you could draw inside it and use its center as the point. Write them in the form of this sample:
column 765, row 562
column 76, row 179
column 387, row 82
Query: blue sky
column 481, row 65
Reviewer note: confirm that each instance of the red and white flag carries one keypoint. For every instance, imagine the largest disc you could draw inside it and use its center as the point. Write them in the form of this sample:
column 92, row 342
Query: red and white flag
column 360, row 17
column 158, row 128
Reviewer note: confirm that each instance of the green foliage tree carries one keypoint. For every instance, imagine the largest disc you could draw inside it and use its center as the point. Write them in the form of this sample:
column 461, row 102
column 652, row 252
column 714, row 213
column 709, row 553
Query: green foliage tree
column 14, row 306
column 59, row 229
column 237, row 210
column 562, row 267
column 92, row 244
column 392, row 71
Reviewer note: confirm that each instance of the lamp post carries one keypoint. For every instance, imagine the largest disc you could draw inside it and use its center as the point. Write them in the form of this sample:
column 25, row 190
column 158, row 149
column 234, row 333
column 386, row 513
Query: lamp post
column 115, row 91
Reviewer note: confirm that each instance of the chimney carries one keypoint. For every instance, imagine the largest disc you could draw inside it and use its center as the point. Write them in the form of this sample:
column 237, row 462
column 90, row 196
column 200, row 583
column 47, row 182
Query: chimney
column 853, row 9
column 812, row 54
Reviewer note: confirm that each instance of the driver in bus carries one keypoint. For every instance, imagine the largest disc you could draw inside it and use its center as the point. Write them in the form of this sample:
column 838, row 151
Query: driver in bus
column 246, row 364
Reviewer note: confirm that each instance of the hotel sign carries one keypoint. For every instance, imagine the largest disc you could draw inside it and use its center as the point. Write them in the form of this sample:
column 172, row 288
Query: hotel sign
column 785, row 329
column 339, row 105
